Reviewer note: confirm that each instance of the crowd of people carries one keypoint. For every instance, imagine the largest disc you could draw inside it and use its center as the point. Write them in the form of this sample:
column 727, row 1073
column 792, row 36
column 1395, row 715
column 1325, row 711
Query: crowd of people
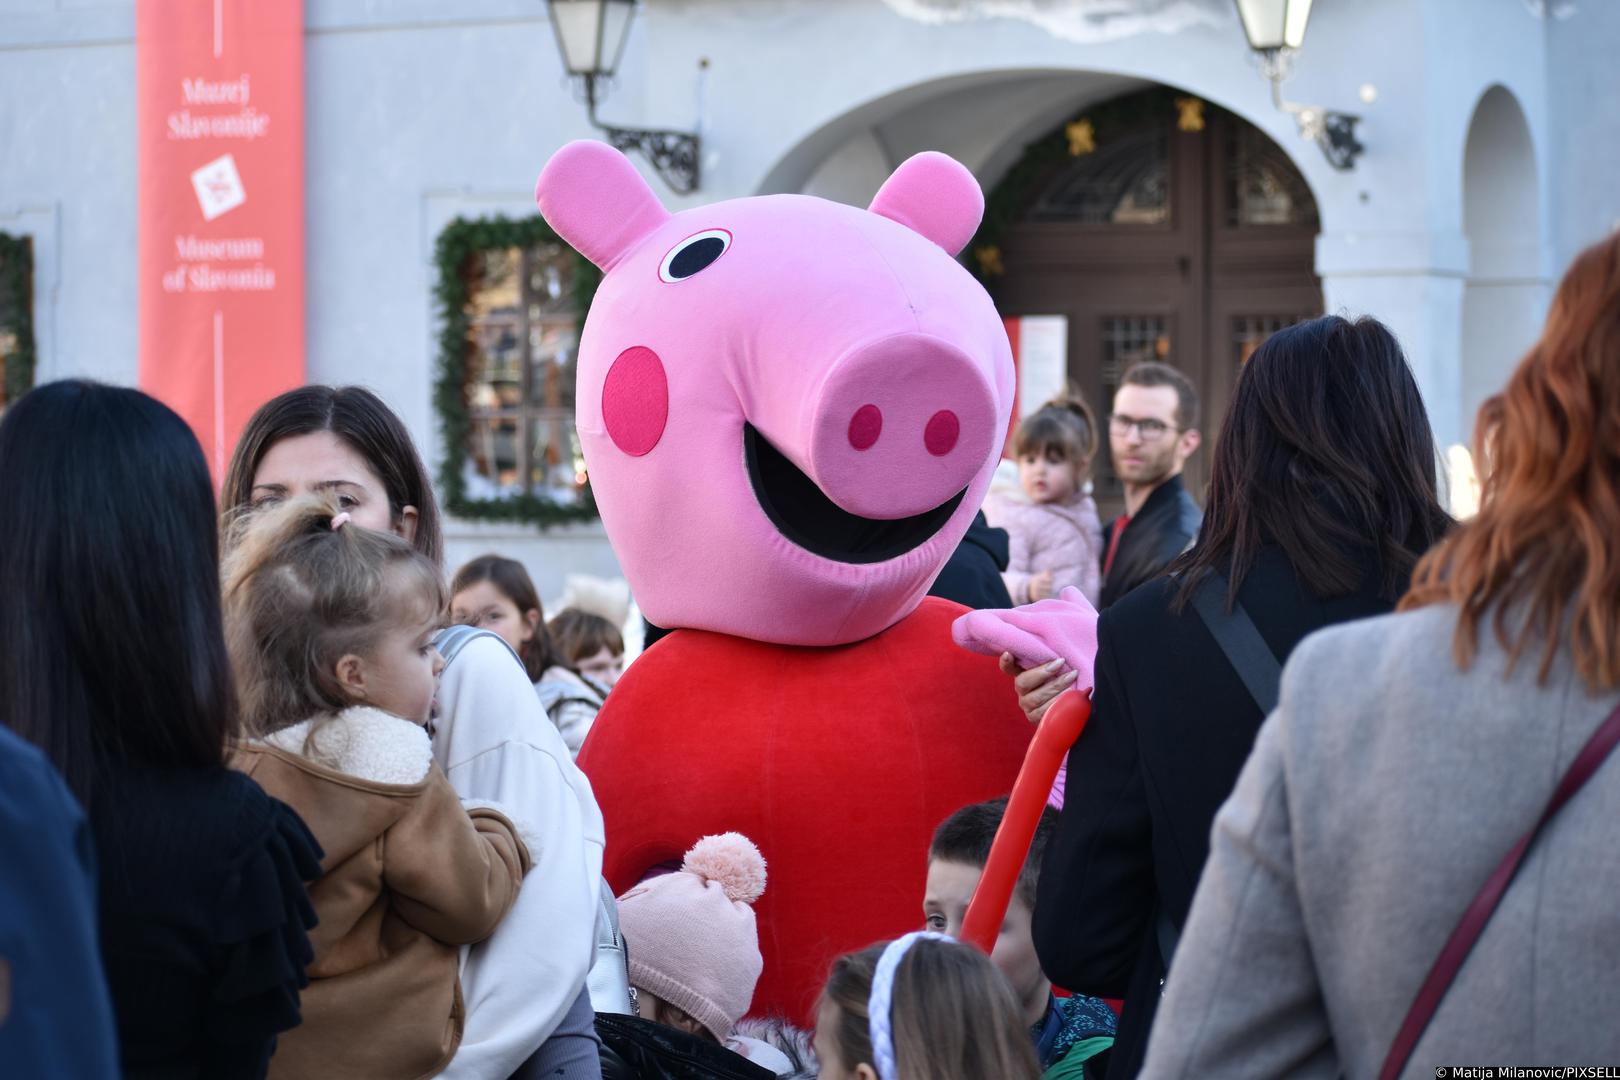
column 282, row 798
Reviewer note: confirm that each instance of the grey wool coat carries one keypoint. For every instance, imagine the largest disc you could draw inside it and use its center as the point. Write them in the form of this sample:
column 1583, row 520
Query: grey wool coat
column 1379, row 797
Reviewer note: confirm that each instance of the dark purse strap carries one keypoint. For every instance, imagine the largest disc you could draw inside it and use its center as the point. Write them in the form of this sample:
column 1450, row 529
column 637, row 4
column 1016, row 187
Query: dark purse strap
column 1235, row 633
column 1255, row 664
column 1472, row 924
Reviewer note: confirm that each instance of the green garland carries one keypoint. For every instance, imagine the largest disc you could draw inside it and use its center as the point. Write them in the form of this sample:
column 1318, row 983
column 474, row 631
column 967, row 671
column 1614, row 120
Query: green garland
column 454, row 254
column 1010, row 199
column 17, row 291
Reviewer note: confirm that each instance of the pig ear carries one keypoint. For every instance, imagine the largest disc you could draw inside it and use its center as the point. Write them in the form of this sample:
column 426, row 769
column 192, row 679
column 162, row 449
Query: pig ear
column 595, row 199
column 935, row 195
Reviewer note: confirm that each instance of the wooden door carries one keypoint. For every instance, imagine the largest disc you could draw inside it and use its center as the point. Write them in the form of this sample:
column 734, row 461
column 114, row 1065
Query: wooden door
column 1165, row 243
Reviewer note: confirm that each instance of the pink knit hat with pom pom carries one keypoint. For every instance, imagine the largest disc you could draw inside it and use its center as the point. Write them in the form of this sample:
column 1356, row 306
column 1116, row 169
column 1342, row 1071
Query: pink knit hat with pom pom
column 691, row 936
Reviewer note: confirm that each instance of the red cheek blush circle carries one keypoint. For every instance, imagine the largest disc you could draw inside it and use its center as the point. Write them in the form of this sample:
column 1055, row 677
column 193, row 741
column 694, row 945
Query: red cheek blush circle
column 635, row 400
column 941, row 433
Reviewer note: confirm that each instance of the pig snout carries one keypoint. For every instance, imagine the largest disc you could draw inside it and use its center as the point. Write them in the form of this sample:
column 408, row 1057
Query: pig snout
column 901, row 425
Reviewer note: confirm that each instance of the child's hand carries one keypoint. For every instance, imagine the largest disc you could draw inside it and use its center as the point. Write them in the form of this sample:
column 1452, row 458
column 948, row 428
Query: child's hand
column 1040, row 586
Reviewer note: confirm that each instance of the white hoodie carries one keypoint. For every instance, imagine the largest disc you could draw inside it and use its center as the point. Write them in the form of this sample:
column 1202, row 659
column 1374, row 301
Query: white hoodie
column 497, row 745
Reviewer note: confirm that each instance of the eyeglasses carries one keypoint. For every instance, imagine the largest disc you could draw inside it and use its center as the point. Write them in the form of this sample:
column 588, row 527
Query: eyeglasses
column 1150, row 429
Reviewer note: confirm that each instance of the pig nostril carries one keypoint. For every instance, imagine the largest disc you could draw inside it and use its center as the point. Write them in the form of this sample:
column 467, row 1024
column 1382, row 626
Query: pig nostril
column 865, row 427
column 941, row 433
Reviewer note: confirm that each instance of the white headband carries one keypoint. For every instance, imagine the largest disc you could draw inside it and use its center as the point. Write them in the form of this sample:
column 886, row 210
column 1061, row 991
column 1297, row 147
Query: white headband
column 878, row 1006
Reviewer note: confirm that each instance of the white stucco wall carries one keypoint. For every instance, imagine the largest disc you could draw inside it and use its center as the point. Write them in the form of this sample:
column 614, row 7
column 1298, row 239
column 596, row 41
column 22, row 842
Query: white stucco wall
column 67, row 177
column 417, row 110
column 1583, row 110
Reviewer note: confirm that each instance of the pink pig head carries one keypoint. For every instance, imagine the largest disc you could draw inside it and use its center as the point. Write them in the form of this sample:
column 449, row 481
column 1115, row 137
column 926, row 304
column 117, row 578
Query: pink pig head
column 790, row 408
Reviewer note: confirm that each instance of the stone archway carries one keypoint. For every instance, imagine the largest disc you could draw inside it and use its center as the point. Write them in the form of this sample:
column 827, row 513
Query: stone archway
column 1505, row 298
column 982, row 119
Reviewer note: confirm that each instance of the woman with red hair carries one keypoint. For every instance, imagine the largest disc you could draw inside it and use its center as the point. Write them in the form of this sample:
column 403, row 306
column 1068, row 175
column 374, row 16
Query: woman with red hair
column 1408, row 756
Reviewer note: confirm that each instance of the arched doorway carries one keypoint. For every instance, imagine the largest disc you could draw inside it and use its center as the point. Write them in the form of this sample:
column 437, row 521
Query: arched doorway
column 1161, row 227
column 1506, row 295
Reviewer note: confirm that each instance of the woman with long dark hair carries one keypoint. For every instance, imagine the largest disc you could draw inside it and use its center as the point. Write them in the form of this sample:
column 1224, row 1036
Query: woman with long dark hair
column 113, row 662
column 1411, row 754
column 524, row 986
column 1321, row 500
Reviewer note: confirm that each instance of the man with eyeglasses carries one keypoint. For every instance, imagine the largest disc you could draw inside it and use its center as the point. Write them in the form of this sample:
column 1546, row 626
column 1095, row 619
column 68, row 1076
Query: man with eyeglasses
column 1152, row 432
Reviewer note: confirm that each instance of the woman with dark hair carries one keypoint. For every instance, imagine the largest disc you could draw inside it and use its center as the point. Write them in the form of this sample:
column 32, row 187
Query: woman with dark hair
column 524, row 986
column 1408, row 756
column 113, row 662
column 341, row 439
column 1321, row 500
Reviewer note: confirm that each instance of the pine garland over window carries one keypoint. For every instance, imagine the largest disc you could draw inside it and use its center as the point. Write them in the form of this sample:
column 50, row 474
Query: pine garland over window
column 456, row 256
column 17, row 297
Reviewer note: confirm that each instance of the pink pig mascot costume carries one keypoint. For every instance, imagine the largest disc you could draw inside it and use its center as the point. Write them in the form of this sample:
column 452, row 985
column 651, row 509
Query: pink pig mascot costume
column 790, row 410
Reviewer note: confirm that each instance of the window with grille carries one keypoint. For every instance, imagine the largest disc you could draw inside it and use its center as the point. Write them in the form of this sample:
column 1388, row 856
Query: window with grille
column 1122, row 183
column 524, row 336
column 1249, row 332
column 1263, row 187
column 16, row 317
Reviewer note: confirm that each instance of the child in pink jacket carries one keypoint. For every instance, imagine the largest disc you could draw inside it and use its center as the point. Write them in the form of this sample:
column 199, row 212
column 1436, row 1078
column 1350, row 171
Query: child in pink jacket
column 1056, row 537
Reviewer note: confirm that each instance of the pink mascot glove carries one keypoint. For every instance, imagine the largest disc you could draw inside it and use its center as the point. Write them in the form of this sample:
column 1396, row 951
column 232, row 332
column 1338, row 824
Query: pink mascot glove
column 1035, row 634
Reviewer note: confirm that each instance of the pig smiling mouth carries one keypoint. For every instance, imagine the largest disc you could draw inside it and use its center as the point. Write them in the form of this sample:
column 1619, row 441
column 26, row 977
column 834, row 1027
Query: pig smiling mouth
column 806, row 516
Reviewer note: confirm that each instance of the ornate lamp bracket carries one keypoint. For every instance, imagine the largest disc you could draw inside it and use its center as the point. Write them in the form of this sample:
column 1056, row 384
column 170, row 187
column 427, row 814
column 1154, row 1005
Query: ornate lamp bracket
column 1334, row 132
column 675, row 155
column 1338, row 140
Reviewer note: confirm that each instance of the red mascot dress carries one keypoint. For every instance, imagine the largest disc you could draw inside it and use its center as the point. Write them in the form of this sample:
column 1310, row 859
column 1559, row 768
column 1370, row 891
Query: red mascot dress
column 790, row 410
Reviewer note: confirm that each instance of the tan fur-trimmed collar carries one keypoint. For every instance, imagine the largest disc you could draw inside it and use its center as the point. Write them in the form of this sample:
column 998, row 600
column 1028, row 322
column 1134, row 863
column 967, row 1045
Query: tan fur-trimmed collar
column 362, row 742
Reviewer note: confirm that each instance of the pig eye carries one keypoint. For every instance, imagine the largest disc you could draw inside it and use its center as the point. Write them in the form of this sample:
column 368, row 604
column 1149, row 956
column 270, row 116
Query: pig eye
column 693, row 254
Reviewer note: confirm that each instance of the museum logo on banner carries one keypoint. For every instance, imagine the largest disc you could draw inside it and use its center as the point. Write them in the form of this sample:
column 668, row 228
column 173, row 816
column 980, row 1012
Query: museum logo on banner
column 220, row 104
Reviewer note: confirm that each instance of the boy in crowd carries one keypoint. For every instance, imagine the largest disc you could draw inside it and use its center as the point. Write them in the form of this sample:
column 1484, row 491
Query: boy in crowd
column 1068, row 1032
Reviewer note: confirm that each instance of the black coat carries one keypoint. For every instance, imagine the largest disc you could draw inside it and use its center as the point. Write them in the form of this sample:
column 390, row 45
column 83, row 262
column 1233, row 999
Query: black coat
column 203, row 919
column 1171, row 726
column 1161, row 530
column 972, row 575
column 637, row 1049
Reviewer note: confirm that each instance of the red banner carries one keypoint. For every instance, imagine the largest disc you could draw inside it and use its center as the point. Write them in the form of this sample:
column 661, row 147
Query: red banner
column 220, row 107
column 1013, row 327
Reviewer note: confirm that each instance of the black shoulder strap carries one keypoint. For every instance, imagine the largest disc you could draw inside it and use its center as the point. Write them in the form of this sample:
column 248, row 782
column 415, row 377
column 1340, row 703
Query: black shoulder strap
column 1245, row 649
column 1254, row 663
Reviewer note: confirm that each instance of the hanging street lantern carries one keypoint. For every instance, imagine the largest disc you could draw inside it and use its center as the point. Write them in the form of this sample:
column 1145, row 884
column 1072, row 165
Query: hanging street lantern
column 590, row 36
column 1271, row 25
column 1276, row 31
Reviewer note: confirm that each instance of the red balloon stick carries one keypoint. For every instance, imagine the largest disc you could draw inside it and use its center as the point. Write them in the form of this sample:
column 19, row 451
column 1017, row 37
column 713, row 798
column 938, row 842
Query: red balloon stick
column 1059, row 728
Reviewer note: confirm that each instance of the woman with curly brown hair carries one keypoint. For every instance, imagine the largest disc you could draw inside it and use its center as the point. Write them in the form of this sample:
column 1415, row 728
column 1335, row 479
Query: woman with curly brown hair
column 1407, row 756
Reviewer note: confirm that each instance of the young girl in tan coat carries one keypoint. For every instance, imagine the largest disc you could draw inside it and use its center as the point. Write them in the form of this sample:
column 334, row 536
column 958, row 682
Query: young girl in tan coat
column 330, row 628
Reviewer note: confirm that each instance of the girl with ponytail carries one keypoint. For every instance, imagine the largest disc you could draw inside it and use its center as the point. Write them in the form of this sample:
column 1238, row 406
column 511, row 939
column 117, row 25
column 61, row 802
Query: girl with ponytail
column 1056, row 537
column 330, row 630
